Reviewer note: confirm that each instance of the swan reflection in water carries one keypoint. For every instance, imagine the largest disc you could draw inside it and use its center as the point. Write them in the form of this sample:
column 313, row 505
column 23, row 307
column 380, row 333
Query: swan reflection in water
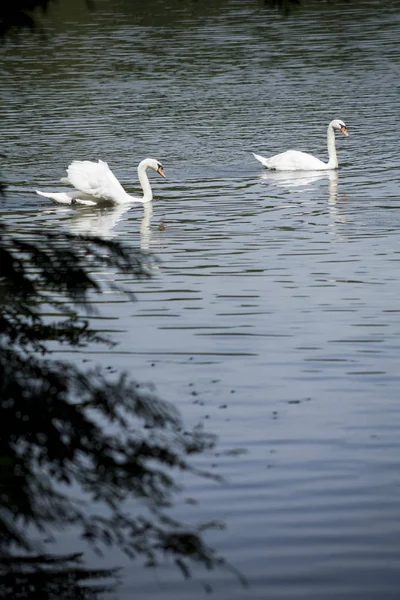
column 295, row 179
column 101, row 222
column 300, row 180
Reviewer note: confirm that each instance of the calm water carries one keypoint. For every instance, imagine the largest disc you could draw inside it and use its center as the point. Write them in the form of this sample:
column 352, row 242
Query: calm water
column 274, row 315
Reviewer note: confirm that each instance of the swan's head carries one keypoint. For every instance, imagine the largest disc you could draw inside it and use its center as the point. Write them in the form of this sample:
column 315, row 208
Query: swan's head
column 152, row 163
column 337, row 124
column 160, row 169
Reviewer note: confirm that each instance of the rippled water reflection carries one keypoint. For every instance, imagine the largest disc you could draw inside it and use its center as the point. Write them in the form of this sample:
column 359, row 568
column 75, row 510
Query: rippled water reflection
column 273, row 315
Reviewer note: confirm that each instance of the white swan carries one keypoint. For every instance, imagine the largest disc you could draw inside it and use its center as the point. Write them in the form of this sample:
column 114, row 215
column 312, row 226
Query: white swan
column 293, row 160
column 95, row 183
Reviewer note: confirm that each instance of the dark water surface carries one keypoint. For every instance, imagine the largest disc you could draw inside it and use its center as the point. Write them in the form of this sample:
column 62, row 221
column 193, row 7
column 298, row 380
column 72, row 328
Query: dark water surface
column 274, row 314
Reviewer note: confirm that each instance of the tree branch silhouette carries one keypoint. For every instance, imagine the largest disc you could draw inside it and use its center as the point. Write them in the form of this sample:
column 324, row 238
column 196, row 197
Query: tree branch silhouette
column 62, row 426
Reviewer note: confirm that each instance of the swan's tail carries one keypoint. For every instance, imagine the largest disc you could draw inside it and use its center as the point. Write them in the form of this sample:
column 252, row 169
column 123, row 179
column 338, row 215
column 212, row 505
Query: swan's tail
column 262, row 160
column 66, row 197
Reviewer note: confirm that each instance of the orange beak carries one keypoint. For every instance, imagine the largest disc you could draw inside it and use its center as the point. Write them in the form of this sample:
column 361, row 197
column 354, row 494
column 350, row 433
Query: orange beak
column 344, row 130
column 160, row 171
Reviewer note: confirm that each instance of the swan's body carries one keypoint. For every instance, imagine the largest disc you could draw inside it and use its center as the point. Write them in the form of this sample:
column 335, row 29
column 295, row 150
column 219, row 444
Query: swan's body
column 293, row 160
column 95, row 183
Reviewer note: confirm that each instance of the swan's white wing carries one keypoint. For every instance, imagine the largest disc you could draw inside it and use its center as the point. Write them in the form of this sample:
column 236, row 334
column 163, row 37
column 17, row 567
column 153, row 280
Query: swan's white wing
column 66, row 197
column 96, row 179
column 263, row 161
column 293, row 160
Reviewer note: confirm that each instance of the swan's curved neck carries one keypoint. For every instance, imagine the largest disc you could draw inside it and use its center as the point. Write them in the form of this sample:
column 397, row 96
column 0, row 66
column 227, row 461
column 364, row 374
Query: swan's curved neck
column 333, row 161
column 144, row 182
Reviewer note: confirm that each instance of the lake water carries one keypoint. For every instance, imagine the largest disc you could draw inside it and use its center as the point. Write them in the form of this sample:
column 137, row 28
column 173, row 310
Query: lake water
column 274, row 314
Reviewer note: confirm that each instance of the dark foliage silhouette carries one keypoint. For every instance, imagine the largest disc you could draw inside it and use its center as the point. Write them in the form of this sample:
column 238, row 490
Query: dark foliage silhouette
column 63, row 426
column 48, row 577
column 26, row 14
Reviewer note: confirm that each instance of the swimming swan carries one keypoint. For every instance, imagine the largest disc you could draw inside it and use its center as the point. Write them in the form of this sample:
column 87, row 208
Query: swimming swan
column 95, row 183
column 293, row 160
